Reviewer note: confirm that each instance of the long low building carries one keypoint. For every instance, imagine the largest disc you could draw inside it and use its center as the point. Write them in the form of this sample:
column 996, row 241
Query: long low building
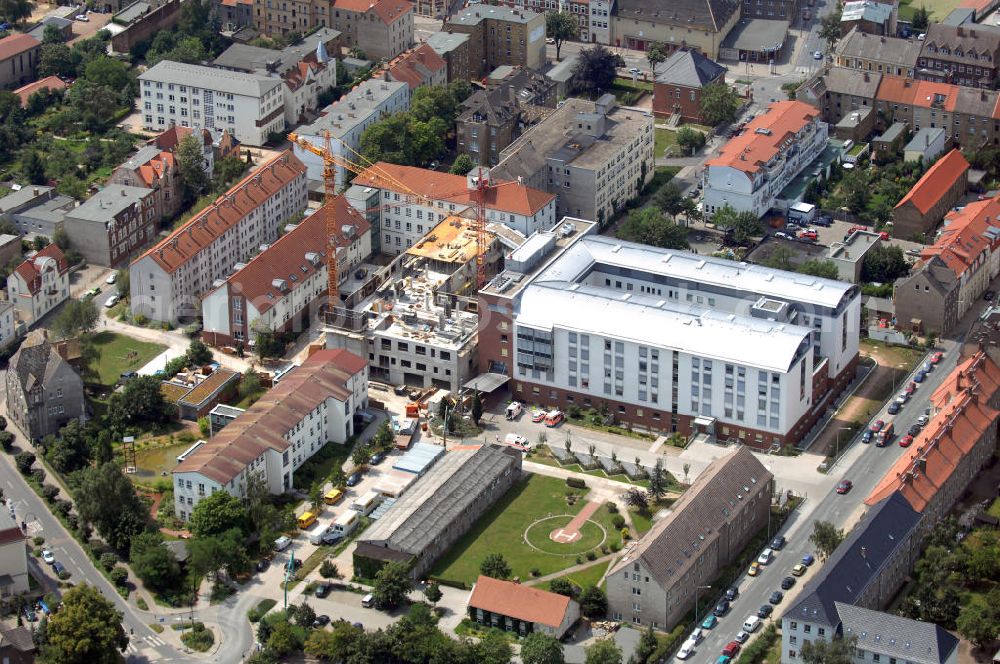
column 312, row 406
column 438, row 509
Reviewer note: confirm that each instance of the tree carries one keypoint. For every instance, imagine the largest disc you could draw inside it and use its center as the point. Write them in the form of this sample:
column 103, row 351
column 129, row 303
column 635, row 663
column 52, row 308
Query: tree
column 719, row 104
column 462, row 165
column 284, row 639
column 979, row 623
column 884, row 264
column 658, row 481
column 563, row 587
column 432, row 591
column 227, row 551
column 139, row 401
column 269, row 343
column 110, row 73
column 540, row 648
column 24, row 461
column 818, row 268
column 636, row 498
column 836, row 651
column 33, row 167
column 650, row 226
column 392, row 585
column 493, row 648
column 154, row 563
column 303, row 614
column 191, row 167
column 593, row 602
column 328, row 570
column 856, row 190
column 77, row 317
column 561, row 26
column 52, row 35
column 690, row 140
column 217, row 513
column 477, row 407
column 826, row 538
column 495, row 565
column 316, row 497
column 70, row 450
column 249, row 383
column 14, row 11
column 227, row 171
column 594, row 70
column 198, row 353
column 603, row 652
column 670, row 199
column 656, row 53
column 829, row 29
column 921, row 19
column 106, row 499
column 86, row 630
column 647, row 646
column 743, row 225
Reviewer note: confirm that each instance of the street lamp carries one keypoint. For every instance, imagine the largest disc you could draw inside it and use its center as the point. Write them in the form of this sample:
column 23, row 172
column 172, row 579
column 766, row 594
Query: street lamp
column 696, row 589
column 836, row 454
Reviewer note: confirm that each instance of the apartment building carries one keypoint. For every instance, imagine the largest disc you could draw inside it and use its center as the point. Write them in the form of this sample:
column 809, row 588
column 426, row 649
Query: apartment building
column 18, row 60
column 932, row 197
column 869, row 16
column 312, row 406
column 594, row 156
column 578, row 315
column 419, row 66
column 346, row 119
column 274, row 18
column 113, row 224
column 280, row 288
column 694, row 24
column 8, row 320
column 654, row 582
column 578, row 9
column 381, row 28
column 415, row 200
column 953, row 273
column 679, row 82
column 501, row 36
column 960, row 54
column 44, row 393
column 884, row 637
column 156, row 170
column 601, row 13
column 167, row 280
column 234, row 14
column 248, row 106
column 968, row 115
column 14, row 581
column 753, row 168
column 490, row 121
column 777, row 10
column 875, row 53
column 455, row 48
column 39, row 284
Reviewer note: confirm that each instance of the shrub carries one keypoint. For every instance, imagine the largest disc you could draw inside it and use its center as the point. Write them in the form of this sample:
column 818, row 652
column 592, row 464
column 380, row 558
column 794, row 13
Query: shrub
column 3, row 423
column 50, row 492
column 63, row 507
column 140, row 320
column 612, row 507
column 618, row 521
column 591, row 555
column 6, row 440
column 186, row 437
column 257, row 612
column 38, row 475
column 576, row 483
column 108, row 560
column 203, row 425
column 535, row 571
column 118, row 575
column 198, row 638
column 38, row 540
column 24, row 461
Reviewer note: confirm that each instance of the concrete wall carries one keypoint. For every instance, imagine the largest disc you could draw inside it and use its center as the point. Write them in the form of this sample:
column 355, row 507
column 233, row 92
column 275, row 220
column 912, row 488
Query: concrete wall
column 163, row 17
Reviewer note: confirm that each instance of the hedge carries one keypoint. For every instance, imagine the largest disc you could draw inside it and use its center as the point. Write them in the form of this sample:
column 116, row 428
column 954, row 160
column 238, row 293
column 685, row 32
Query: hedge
column 757, row 651
column 576, row 483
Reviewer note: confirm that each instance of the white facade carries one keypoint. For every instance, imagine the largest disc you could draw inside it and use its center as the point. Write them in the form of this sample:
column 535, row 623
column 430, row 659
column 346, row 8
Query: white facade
column 13, row 558
column 249, row 106
column 45, row 287
column 8, row 323
column 600, row 20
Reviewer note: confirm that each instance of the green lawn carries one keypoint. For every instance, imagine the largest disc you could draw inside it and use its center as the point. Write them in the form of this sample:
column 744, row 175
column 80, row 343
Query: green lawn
column 642, row 522
column 584, row 578
column 664, row 138
column 939, row 9
column 502, row 529
column 118, row 354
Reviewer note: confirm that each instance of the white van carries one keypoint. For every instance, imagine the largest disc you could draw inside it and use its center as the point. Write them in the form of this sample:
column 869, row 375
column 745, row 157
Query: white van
column 367, row 503
column 368, row 601
column 751, row 624
column 345, row 524
column 318, row 533
column 282, row 543
column 514, row 409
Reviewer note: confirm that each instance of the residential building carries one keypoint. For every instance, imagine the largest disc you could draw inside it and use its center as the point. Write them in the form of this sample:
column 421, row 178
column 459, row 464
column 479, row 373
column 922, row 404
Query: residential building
column 17, row 646
column 234, row 14
column 346, row 119
column 785, row 10
column 654, row 581
column 313, row 405
column 39, row 284
column 156, row 170
column 579, row 312
column 489, row 122
column 8, row 322
column 926, row 145
column 35, row 209
column 889, row 145
column 305, row 69
column 113, row 224
column 501, row 36
column 601, row 18
column 521, row 609
column 755, row 40
column 381, row 28
column 868, row 16
column 18, row 59
column 866, row 570
column 167, row 280
column 221, row 415
column 249, row 106
column 960, row 54
column 419, row 66
column 839, row 91
column 695, row 24
column 953, row 273
column 290, row 16
column 415, row 200
column 217, row 144
column 438, row 508
column 141, row 21
column 13, row 559
column 49, row 83
column 280, row 288
column 874, row 53
column 849, row 255
column 10, row 248
column 932, row 197
column 203, row 390
column 679, row 82
column 44, row 393
column 530, row 87
column 455, row 48
column 594, row 156
column 884, row 637
column 578, row 9
column 753, row 168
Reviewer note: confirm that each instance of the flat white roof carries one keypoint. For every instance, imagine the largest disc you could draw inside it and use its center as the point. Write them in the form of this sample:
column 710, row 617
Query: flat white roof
column 654, row 321
column 592, row 250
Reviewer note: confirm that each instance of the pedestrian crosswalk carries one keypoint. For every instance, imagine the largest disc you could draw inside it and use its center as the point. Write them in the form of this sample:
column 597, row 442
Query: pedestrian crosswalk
column 137, row 644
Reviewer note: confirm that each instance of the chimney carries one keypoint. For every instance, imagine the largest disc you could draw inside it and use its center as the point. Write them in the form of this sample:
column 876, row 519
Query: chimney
column 927, row 140
column 124, row 193
column 907, row 82
column 867, row 77
column 864, row 552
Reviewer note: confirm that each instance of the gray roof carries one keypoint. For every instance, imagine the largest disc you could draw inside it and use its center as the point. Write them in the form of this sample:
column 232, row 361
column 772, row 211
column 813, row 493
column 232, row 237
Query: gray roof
column 857, row 561
column 38, row 32
column 672, row 545
column 852, row 82
column 446, row 42
column 892, row 50
column 36, row 361
column 893, row 132
column 218, row 80
column 144, row 155
column 108, row 202
column 975, row 38
column 132, row 13
column 26, row 194
column 477, row 13
column 493, row 107
column 900, row 638
column 960, row 16
column 563, row 71
column 433, row 502
column 353, row 109
column 711, row 15
column 53, row 210
column 688, row 68
column 244, row 57
column 923, row 138
column 866, row 10
column 757, row 34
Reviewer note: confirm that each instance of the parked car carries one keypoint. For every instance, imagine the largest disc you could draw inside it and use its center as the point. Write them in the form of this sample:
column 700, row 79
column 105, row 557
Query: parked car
column 894, row 408
column 799, row 569
column 517, row 440
column 111, row 301
column 322, row 590
column 921, row 375
column 263, row 564
column 697, row 635
column 923, row 420
column 778, row 543
column 732, row 649
column 751, row 624
column 877, row 426
column 732, row 593
column 59, row 569
column 914, row 429
column 82, row 17
column 554, row 417
column 723, row 659
column 742, row 636
column 783, row 236
column 354, row 479
column 765, row 557
column 989, row 295
column 282, row 543
column 686, row 650
column 809, row 235
column 376, row 459
column 817, row 55
column 844, row 486
column 936, row 357
column 776, row 597
column 906, row 441
column 765, row 611
column 721, row 609
column 808, row 560
column 48, row 557
column 537, row 415
column 320, row 621
column 928, row 367
column 514, row 410
column 866, row 437
column 787, row 582
column 709, row 622
column 754, row 569
column 112, row 278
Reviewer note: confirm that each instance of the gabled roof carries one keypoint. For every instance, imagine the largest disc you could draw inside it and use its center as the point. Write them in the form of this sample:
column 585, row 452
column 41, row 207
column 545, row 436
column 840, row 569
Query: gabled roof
column 936, row 182
column 963, row 415
column 494, row 107
column 866, row 10
column 515, row 600
column 924, row 94
column 241, row 199
column 688, row 68
column 506, row 197
column 417, row 66
column 388, row 11
column 31, row 269
column 765, row 136
column 893, row 50
column 17, row 43
column 858, row 559
column 966, row 235
column 326, row 374
column 36, row 362
column 49, row 82
column 899, row 638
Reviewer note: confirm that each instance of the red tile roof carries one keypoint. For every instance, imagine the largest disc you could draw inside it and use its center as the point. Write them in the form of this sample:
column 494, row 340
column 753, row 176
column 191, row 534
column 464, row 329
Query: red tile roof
column 152, row 170
column 18, row 43
column 50, row 82
column 526, row 603
column 966, row 235
column 925, row 94
column 388, row 11
column 411, row 66
column 936, row 182
column 765, row 136
column 263, row 426
column 963, row 416
column 206, row 226
column 287, row 256
column 30, row 269
column 508, row 196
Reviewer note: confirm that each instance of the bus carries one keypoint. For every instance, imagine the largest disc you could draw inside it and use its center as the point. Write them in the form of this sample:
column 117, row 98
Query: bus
column 367, row 503
column 346, row 523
